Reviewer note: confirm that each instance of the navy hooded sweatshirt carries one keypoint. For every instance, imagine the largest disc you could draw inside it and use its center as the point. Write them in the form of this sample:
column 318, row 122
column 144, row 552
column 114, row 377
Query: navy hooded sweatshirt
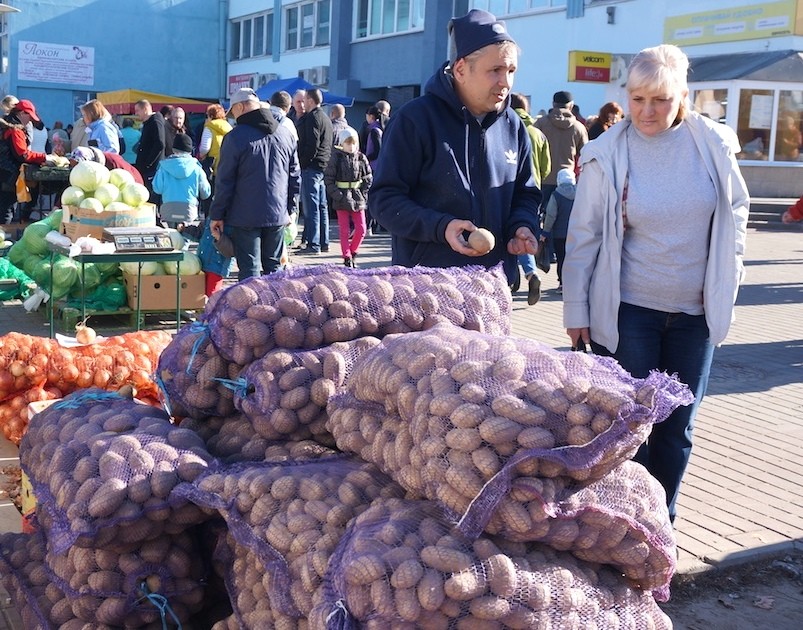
column 440, row 163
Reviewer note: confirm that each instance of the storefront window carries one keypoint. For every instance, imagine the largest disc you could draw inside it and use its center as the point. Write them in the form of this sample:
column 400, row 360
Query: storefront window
column 755, row 123
column 789, row 139
column 712, row 103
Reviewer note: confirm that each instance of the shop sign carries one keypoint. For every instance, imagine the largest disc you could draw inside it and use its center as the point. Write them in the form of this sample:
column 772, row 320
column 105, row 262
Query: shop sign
column 593, row 67
column 237, row 81
column 754, row 21
column 56, row 63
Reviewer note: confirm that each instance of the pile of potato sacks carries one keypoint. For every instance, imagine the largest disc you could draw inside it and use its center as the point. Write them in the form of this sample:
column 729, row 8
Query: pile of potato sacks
column 370, row 448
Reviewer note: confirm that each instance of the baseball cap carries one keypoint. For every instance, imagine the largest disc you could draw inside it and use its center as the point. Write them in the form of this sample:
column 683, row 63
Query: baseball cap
column 562, row 98
column 27, row 107
column 477, row 29
column 243, row 95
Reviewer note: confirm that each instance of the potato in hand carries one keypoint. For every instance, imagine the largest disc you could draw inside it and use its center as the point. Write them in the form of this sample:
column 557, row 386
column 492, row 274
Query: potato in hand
column 481, row 240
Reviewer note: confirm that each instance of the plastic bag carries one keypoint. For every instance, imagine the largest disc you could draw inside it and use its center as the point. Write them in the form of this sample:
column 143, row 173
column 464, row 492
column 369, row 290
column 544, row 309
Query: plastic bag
column 25, row 285
column 23, row 194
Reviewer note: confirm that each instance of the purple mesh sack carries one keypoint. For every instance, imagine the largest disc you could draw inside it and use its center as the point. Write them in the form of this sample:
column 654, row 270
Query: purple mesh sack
column 245, row 581
column 310, row 307
column 284, row 394
column 455, row 416
column 191, row 375
column 103, row 469
column 23, row 575
column 234, row 439
column 620, row 520
column 402, row 564
column 289, row 518
column 132, row 585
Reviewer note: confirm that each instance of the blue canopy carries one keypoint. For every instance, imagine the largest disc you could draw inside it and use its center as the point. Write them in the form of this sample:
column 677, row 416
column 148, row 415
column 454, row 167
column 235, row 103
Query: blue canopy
column 297, row 83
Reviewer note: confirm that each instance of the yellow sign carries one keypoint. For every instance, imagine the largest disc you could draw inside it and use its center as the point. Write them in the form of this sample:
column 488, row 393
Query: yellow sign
column 753, row 21
column 594, row 67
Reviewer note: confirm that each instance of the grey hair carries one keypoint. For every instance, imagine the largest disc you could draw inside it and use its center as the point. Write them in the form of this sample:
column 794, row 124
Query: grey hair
column 661, row 67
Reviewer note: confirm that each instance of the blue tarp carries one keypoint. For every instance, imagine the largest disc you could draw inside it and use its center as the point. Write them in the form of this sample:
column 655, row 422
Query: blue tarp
column 297, row 83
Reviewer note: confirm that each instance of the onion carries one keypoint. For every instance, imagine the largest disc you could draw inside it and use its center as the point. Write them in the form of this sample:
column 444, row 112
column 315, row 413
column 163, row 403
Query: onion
column 84, row 334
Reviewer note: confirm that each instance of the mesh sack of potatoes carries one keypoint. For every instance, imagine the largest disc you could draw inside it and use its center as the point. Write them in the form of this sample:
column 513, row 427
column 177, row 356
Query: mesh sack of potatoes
column 132, row 585
column 234, row 439
column 620, row 520
column 191, row 375
column 290, row 517
column 103, row 468
column 249, row 587
column 401, row 564
column 25, row 579
column 284, row 394
column 475, row 411
column 310, row 307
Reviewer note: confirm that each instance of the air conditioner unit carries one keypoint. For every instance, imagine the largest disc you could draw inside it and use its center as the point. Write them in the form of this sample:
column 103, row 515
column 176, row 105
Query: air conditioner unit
column 317, row 75
column 265, row 78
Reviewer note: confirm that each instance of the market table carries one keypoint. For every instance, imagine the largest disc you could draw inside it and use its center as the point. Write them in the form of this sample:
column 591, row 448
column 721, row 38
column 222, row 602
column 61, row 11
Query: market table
column 117, row 257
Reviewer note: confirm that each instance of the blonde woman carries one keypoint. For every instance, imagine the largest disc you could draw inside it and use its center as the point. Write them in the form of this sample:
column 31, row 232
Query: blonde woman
column 102, row 131
column 655, row 244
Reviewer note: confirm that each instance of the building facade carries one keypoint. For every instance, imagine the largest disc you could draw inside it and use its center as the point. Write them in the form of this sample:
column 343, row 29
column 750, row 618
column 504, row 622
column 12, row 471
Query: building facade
column 61, row 53
column 745, row 53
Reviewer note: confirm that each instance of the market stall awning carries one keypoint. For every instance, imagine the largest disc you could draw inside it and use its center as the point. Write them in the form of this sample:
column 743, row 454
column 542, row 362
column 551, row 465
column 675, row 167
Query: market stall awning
column 297, row 83
column 122, row 101
column 778, row 65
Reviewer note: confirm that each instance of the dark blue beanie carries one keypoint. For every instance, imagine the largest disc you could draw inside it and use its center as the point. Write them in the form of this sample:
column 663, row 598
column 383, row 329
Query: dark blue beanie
column 477, row 29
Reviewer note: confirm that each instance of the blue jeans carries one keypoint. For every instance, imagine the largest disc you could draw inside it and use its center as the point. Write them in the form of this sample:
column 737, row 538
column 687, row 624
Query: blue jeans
column 316, row 212
column 253, row 246
column 678, row 344
column 527, row 262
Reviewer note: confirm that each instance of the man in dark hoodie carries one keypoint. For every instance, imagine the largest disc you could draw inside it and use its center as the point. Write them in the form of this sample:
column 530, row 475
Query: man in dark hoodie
column 256, row 181
column 458, row 158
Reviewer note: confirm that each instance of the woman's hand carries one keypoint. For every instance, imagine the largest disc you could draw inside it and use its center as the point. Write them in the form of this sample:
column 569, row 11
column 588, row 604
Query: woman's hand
column 580, row 337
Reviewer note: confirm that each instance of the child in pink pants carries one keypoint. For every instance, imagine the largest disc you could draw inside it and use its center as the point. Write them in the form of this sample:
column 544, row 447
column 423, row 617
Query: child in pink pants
column 348, row 178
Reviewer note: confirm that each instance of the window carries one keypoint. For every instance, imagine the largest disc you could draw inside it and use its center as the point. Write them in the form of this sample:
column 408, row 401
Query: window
column 307, row 25
column 755, row 123
column 712, row 103
column 512, row 7
column 788, row 139
column 245, row 40
column 252, row 36
column 259, row 36
column 386, row 17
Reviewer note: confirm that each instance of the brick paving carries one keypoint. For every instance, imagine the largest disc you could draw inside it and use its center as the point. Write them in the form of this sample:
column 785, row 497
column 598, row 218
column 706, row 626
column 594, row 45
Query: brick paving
column 743, row 493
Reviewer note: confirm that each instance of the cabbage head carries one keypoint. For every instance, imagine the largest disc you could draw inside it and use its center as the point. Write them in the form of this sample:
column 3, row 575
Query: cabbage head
column 190, row 266
column 34, row 237
column 151, row 268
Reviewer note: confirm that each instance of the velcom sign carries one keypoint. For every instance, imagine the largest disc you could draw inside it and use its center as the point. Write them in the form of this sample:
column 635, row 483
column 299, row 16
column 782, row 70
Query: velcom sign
column 593, row 67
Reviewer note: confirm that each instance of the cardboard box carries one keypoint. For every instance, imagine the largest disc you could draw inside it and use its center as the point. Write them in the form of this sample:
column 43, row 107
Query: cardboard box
column 77, row 222
column 159, row 292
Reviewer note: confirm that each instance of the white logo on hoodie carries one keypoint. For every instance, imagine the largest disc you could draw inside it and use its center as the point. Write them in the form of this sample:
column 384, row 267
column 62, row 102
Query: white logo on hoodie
column 511, row 157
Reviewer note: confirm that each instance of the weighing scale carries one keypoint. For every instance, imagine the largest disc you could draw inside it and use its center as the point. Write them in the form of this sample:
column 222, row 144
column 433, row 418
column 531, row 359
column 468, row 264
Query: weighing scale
column 138, row 239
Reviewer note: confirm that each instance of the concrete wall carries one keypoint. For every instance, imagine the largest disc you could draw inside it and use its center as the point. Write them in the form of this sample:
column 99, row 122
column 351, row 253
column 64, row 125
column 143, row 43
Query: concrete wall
column 165, row 46
column 773, row 181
